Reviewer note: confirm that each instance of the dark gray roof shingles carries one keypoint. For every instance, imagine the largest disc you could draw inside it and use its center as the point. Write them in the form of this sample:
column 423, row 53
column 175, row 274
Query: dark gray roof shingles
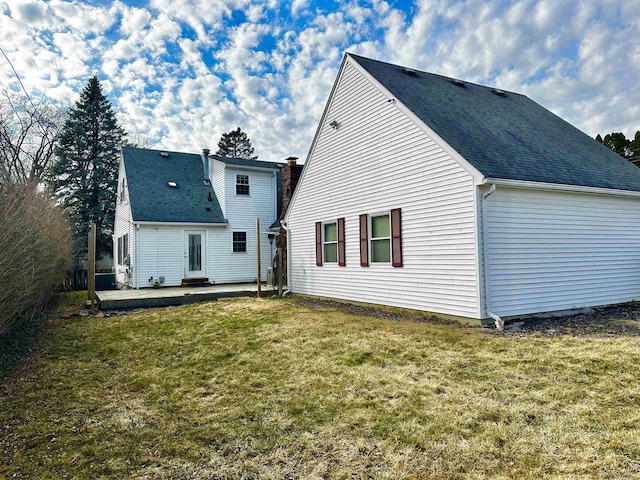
column 153, row 200
column 505, row 136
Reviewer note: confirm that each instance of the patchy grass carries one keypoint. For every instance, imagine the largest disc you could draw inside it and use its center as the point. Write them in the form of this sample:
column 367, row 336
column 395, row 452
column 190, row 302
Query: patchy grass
column 247, row 388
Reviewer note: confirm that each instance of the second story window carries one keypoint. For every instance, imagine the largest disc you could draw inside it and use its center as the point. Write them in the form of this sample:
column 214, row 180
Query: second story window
column 242, row 184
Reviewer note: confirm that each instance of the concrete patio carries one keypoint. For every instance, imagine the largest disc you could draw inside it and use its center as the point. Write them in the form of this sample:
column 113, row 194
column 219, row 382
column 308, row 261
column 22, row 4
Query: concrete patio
column 166, row 296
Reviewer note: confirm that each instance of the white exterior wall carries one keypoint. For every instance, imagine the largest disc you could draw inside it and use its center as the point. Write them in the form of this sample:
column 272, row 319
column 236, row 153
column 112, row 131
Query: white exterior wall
column 241, row 212
column 123, row 225
column 216, row 175
column 379, row 159
column 559, row 250
column 162, row 253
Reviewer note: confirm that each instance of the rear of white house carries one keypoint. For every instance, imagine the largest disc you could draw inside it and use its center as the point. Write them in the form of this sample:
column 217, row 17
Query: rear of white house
column 184, row 218
column 433, row 194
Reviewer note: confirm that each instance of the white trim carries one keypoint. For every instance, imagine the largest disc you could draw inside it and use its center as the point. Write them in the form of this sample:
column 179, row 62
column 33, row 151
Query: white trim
column 235, row 184
column 246, row 242
column 370, row 238
column 560, row 187
column 182, row 224
column 475, row 173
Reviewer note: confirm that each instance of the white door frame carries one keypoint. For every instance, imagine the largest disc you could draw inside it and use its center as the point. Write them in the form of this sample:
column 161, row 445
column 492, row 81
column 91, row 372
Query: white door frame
column 188, row 260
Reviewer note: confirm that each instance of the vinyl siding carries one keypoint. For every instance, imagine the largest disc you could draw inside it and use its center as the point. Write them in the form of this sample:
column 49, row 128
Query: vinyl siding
column 241, row 211
column 216, row 175
column 123, row 225
column 553, row 250
column 378, row 159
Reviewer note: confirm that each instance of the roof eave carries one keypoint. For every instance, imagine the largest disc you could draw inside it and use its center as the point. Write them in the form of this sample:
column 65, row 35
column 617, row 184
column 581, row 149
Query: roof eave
column 559, row 187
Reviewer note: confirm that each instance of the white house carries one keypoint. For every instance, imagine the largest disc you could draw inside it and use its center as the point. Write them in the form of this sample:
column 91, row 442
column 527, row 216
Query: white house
column 186, row 219
column 430, row 193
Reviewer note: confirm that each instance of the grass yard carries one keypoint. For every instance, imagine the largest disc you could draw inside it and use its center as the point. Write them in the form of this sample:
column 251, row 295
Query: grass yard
column 246, row 388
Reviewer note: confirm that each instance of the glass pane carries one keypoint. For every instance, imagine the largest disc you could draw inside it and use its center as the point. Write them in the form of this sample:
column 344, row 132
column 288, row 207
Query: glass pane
column 330, row 232
column 380, row 250
column 195, row 252
column 380, row 226
column 331, row 253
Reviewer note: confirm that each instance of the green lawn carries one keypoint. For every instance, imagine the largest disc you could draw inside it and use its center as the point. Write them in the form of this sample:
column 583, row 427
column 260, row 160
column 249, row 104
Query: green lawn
column 247, row 388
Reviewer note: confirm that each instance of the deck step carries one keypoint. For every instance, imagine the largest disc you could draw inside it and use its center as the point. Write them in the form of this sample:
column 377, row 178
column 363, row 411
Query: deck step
column 195, row 282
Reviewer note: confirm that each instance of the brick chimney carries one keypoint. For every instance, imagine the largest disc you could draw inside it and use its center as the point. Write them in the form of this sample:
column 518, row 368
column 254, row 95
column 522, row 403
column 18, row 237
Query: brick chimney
column 290, row 176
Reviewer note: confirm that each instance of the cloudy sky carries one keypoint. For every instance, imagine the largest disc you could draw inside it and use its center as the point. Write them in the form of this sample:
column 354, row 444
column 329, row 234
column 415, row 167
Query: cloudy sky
column 181, row 72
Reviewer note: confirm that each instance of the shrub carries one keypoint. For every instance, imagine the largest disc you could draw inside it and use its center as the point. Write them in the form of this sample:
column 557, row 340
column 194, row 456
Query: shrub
column 35, row 241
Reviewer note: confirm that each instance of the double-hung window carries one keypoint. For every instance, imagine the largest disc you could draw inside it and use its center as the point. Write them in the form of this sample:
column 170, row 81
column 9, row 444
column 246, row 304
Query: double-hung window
column 330, row 242
column 239, row 242
column 242, row 185
column 380, row 241
column 381, row 238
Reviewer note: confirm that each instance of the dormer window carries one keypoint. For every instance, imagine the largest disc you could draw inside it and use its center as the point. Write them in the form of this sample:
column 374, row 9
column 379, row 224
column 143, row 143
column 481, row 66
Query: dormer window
column 242, row 184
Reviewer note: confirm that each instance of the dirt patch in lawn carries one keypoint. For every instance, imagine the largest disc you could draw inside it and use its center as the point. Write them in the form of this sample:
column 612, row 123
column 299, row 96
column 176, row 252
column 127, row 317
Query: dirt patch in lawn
column 614, row 320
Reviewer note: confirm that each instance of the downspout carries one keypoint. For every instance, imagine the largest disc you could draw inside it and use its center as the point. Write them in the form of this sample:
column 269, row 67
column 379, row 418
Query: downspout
column 485, row 254
column 288, row 232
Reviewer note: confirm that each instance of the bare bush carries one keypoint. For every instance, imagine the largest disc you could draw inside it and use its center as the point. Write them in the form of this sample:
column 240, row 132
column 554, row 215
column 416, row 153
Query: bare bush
column 35, row 241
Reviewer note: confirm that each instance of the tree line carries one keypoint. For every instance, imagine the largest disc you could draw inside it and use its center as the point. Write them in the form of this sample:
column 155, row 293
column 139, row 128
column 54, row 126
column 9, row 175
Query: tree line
column 619, row 143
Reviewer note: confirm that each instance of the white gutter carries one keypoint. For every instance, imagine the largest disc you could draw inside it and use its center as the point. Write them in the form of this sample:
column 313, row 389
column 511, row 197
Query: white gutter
column 559, row 187
column 485, row 254
column 286, row 229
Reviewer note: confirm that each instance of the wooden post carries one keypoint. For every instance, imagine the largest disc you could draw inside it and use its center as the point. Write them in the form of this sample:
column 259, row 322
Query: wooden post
column 258, row 246
column 91, row 280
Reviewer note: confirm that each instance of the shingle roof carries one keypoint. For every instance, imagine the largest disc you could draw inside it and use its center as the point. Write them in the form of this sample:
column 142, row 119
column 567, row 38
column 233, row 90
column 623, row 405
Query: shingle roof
column 153, row 200
column 504, row 135
column 249, row 163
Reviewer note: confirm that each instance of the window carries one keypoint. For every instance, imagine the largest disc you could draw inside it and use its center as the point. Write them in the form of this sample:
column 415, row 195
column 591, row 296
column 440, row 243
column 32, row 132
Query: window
column 242, row 184
column 330, row 245
column 380, row 241
column 123, row 191
column 123, row 249
column 239, row 242
column 330, row 242
column 381, row 238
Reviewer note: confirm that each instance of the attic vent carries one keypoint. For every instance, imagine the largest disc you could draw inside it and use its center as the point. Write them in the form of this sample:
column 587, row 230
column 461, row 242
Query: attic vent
column 458, row 83
column 500, row 93
column 172, row 184
column 409, row 72
column 164, row 154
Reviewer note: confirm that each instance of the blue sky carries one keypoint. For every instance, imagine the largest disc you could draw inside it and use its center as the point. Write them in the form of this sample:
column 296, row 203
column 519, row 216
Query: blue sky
column 182, row 72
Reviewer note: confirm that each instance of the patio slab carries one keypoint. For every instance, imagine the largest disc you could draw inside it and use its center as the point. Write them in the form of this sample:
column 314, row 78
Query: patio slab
column 167, row 296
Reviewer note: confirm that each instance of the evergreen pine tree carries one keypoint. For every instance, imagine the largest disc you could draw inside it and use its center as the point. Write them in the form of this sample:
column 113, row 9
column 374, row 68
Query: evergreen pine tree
column 235, row 144
column 84, row 176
